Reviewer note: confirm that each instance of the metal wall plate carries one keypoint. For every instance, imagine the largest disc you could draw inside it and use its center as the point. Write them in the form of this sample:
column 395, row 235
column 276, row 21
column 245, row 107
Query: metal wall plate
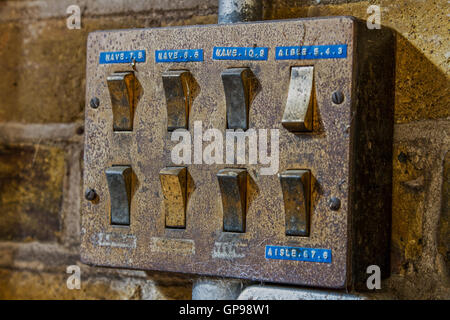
column 347, row 151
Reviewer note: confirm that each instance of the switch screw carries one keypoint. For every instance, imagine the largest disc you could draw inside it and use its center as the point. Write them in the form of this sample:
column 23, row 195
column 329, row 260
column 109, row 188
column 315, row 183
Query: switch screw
column 90, row 194
column 95, row 102
column 334, row 203
column 337, row 97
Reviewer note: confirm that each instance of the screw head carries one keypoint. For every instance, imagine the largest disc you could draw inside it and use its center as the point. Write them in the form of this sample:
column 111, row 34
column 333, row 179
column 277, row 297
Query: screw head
column 337, row 97
column 90, row 194
column 402, row 157
column 95, row 102
column 334, row 203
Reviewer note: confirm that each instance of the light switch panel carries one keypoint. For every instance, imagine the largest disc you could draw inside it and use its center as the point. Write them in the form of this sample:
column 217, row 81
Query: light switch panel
column 275, row 165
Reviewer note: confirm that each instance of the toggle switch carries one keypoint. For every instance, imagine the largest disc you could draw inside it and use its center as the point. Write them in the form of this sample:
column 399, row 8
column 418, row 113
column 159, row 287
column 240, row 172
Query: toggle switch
column 233, row 187
column 295, row 185
column 173, row 184
column 121, row 86
column 177, row 91
column 119, row 185
column 236, row 84
column 298, row 113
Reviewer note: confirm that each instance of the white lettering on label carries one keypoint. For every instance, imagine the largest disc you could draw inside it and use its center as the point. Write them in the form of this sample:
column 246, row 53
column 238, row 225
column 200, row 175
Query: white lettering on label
column 115, row 240
column 228, row 250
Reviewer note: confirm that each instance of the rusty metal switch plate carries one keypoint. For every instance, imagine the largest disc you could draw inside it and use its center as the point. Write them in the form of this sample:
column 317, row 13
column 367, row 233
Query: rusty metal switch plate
column 295, row 185
column 313, row 95
column 298, row 113
column 233, row 190
column 177, row 92
column 119, row 184
column 121, row 87
column 237, row 85
column 173, row 184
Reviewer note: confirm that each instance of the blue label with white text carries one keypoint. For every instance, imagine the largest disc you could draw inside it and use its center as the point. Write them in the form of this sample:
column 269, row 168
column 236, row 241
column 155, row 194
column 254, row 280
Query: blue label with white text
column 180, row 55
column 122, row 56
column 240, row 53
column 298, row 254
column 335, row 51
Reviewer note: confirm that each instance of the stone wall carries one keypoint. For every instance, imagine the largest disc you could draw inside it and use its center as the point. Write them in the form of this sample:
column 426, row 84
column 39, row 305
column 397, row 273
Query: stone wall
column 41, row 142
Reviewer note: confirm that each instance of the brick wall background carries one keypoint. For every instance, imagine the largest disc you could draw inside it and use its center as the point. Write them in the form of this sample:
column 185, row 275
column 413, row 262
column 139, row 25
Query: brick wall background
column 42, row 64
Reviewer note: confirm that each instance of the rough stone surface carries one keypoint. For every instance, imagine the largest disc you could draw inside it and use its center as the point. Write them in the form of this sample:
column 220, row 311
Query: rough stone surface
column 419, row 150
column 216, row 289
column 43, row 68
column 38, row 271
column 43, row 285
column 31, row 191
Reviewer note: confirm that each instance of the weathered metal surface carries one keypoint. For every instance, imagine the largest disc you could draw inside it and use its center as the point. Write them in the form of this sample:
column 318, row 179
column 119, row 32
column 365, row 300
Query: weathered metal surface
column 176, row 89
column 298, row 113
column 233, row 190
column 231, row 11
column 119, row 184
column 31, row 189
column 328, row 152
column 295, row 185
column 122, row 91
column 173, row 185
column 237, row 86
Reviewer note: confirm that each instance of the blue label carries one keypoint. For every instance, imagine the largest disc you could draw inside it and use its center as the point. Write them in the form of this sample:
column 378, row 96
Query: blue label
column 122, row 56
column 298, row 254
column 240, row 53
column 181, row 55
column 335, row 51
